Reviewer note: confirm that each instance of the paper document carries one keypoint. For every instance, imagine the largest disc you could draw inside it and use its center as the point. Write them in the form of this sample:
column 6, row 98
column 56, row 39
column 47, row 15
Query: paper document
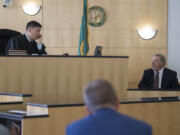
column 18, row 111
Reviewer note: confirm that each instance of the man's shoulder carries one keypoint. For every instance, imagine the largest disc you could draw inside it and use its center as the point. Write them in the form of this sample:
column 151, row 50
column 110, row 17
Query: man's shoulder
column 169, row 70
column 80, row 122
column 114, row 122
column 120, row 118
column 78, row 126
column 132, row 121
column 149, row 70
column 19, row 37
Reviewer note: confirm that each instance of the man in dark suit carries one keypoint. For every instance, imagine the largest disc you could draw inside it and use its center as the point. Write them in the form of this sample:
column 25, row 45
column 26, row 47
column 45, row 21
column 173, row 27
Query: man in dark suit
column 104, row 119
column 159, row 77
column 30, row 41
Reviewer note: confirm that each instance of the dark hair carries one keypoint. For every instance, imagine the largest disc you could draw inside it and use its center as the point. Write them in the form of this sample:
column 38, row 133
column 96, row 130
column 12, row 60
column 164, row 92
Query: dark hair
column 33, row 24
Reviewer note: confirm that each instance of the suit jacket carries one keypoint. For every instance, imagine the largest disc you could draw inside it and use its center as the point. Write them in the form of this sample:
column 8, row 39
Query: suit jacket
column 169, row 79
column 108, row 122
column 21, row 43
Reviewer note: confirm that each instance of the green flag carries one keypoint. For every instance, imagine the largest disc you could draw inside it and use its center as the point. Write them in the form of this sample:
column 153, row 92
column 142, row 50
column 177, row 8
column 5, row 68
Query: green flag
column 83, row 39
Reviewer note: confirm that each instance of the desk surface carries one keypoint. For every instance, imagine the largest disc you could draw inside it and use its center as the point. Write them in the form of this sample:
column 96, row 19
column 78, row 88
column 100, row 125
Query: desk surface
column 19, row 116
column 153, row 89
column 15, row 94
column 128, row 101
column 70, row 56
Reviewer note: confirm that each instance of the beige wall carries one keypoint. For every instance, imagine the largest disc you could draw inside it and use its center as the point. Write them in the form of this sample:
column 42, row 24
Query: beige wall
column 13, row 17
column 61, row 25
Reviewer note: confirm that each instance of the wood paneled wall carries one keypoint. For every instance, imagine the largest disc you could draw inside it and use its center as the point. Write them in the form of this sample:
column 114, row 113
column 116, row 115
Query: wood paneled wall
column 13, row 17
column 61, row 21
column 118, row 35
column 60, row 79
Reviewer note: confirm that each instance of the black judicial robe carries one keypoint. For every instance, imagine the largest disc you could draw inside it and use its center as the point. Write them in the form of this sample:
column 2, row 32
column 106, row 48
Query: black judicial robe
column 21, row 43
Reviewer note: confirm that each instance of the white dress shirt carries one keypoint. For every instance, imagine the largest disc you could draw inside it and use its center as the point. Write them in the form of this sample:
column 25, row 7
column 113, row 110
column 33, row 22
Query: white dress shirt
column 27, row 37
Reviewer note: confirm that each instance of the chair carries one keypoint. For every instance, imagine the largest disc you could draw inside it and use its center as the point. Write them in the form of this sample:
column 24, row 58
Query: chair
column 5, row 35
column 98, row 51
column 15, row 129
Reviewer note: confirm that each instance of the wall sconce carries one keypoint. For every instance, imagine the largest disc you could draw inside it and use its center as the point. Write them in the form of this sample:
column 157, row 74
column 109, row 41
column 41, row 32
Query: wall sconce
column 147, row 32
column 31, row 8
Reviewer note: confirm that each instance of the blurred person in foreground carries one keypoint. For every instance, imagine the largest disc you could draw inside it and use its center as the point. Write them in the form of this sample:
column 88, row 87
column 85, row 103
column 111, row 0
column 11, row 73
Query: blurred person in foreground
column 102, row 105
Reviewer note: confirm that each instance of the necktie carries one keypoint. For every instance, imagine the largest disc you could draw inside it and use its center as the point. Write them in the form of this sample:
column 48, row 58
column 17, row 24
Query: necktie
column 156, row 81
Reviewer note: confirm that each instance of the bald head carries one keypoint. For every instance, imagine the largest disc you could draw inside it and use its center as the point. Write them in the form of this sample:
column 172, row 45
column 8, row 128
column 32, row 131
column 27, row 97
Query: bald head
column 99, row 94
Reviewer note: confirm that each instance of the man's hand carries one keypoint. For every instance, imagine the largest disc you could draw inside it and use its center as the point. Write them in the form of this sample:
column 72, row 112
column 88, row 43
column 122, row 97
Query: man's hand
column 38, row 40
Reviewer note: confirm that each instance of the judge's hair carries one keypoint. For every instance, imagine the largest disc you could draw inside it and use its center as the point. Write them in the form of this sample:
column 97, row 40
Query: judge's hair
column 33, row 24
column 99, row 93
column 162, row 57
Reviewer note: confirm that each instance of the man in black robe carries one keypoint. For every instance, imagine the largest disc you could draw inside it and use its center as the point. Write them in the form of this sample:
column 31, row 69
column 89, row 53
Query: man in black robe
column 30, row 41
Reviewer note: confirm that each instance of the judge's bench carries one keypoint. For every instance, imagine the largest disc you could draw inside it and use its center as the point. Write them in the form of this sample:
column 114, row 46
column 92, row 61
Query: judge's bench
column 54, row 85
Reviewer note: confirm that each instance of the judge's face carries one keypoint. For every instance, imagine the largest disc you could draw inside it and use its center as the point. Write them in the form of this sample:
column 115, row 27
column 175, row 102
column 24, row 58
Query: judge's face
column 34, row 33
column 157, row 63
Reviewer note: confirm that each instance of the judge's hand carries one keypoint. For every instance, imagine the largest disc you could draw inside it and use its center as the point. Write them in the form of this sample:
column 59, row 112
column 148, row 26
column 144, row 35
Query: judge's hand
column 38, row 40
